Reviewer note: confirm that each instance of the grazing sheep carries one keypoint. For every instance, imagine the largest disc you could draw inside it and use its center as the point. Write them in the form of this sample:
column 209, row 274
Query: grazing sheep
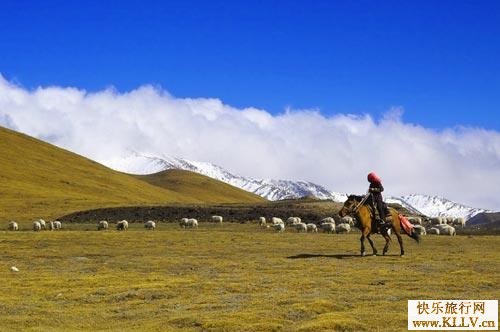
column 415, row 220
column 150, row 224
column 217, row 219
column 300, row 227
column 343, row 228
column 42, row 223
column 459, row 222
column 183, row 222
column 262, row 221
column 433, row 230
column 37, row 226
column 192, row 223
column 279, row 227
column 347, row 220
column 312, row 228
column 13, row 226
column 327, row 227
column 50, row 225
column 57, row 224
column 450, row 230
column 435, row 221
column 419, row 229
column 103, row 224
column 327, row 220
column 293, row 221
column 122, row 225
column 276, row 221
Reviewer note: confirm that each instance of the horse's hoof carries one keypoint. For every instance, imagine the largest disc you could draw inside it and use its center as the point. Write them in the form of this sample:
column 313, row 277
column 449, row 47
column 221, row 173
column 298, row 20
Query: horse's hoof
column 402, row 255
column 383, row 254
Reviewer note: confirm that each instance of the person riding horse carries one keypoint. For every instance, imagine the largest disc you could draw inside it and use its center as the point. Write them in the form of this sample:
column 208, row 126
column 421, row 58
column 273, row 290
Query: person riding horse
column 375, row 189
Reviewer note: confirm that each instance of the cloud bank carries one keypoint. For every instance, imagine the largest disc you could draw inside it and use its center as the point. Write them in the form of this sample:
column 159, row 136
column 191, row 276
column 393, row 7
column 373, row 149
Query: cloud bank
column 461, row 164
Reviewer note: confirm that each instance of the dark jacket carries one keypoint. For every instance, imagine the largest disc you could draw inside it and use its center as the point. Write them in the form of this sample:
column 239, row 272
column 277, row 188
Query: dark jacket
column 376, row 189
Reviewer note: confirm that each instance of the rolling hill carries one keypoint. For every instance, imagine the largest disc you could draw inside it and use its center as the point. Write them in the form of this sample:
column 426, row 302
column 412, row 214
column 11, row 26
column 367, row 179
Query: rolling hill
column 192, row 184
column 39, row 180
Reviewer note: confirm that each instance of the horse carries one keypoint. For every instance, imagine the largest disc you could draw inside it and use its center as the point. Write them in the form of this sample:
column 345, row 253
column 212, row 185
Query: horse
column 361, row 208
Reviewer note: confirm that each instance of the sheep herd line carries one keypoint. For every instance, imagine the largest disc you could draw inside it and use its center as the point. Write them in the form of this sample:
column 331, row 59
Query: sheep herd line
column 437, row 226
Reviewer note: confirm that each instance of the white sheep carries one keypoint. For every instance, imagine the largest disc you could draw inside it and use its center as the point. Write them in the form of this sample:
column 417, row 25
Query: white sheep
column 57, row 224
column 312, row 228
column 122, row 225
column 449, row 230
column 262, row 221
column 293, row 221
column 415, row 220
column 343, row 228
column 300, row 227
column 347, row 220
column 37, row 226
column 183, row 222
column 42, row 223
column 50, row 225
column 327, row 220
column 419, row 229
column 192, row 223
column 279, row 227
column 217, row 219
column 459, row 222
column 276, row 221
column 150, row 224
column 103, row 224
column 433, row 230
column 327, row 227
column 13, row 226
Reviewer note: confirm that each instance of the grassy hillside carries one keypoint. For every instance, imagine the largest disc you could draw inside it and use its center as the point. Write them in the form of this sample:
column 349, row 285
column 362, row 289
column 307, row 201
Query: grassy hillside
column 39, row 180
column 197, row 185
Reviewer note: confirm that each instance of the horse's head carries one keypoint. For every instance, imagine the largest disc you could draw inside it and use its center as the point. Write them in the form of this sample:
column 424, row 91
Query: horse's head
column 349, row 206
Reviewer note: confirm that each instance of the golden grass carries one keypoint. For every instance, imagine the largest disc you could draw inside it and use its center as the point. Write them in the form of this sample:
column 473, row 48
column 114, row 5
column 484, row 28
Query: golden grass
column 196, row 185
column 39, row 180
column 230, row 278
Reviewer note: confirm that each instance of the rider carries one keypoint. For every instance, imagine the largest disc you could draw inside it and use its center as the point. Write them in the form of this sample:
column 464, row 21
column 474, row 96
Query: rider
column 376, row 189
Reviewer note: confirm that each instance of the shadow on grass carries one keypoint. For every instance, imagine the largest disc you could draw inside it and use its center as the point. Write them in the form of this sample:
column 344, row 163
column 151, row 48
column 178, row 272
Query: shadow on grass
column 336, row 256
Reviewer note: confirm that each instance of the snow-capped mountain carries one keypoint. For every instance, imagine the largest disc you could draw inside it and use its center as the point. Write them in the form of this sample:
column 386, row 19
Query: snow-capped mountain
column 267, row 188
column 435, row 206
column 432, row 206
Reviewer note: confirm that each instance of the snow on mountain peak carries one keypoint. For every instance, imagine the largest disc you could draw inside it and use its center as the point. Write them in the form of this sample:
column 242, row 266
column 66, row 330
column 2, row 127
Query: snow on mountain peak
column 432, row 206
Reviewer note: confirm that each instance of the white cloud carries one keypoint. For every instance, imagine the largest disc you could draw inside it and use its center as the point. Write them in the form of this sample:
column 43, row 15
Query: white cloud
column 462, row 164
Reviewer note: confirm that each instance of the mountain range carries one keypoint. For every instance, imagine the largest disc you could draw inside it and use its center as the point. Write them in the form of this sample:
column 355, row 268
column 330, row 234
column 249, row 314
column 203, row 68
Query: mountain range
column 271, row 189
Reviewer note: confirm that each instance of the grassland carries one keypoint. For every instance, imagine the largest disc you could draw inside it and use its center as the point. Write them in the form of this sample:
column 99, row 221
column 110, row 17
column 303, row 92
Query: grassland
column 234, row 277
column 39, row 180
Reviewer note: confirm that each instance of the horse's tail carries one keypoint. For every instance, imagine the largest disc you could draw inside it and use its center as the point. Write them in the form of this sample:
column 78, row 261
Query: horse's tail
column 408, row 228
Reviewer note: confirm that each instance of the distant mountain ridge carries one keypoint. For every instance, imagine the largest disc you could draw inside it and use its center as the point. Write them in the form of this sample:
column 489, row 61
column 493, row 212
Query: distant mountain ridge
column 432, row 206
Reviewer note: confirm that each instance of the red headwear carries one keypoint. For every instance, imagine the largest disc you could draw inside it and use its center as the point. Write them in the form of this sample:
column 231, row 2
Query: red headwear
column 373, row 178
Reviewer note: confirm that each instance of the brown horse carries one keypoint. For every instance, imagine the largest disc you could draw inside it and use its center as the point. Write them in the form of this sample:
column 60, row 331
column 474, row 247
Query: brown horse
column 362, row 210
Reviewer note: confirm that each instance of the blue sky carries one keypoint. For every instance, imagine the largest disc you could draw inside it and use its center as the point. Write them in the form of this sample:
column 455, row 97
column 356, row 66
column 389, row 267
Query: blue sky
column 439, row 60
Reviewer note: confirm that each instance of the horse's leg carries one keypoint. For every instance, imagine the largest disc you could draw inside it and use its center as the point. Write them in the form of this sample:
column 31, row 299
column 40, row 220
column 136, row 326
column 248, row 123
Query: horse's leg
column 400, row 240
column 387, row 242
column 362, row 240
column 371, row 243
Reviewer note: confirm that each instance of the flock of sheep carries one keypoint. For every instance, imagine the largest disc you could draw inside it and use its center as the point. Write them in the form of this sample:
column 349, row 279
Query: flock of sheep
column 438, row 226
column 327, row 225
column 38, row 225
